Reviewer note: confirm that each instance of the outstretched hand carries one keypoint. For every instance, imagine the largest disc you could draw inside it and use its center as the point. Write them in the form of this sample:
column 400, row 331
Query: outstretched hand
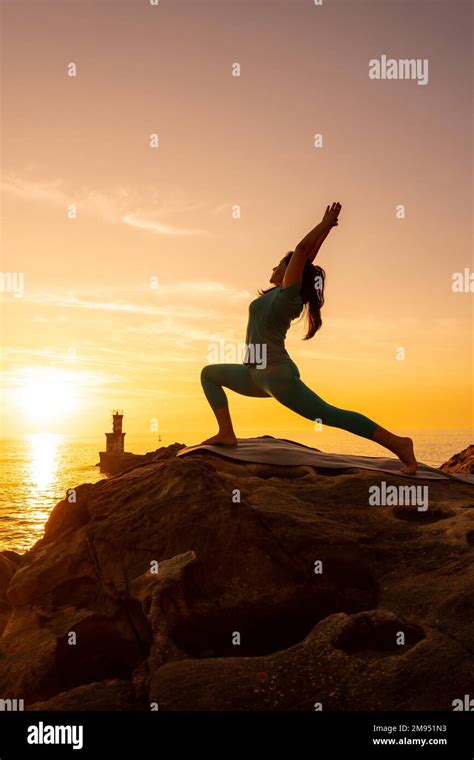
column 331, row 214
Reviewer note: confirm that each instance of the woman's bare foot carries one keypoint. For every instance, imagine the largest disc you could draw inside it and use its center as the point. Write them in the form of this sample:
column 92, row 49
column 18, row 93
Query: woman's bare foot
column 406, row 453
column 226, row 439
column 401, row 447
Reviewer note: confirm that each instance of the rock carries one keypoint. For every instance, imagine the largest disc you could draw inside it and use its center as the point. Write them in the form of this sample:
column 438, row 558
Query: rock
column 107, row 695
column 162, row 596
column 204, row 583
column 370, row 673
column 462, row 462
column 9, row 563
column 117, row 463
column 13, row 556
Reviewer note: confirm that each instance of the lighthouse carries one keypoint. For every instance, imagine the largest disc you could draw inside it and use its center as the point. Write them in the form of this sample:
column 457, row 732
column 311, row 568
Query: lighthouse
column 115, row 439
column 114, row 459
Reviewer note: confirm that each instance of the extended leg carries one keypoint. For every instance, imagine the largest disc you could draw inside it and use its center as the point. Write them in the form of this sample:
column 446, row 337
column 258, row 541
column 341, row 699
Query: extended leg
column 302, row 400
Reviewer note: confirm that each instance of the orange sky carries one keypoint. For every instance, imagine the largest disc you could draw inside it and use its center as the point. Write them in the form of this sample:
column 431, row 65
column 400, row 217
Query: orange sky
column 89, row 332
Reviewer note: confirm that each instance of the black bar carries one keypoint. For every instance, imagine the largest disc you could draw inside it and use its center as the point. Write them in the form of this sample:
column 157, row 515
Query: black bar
column 310, row 734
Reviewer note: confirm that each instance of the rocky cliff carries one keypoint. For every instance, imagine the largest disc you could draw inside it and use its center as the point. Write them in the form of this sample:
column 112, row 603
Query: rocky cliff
column 462, row 462
column 198, row 583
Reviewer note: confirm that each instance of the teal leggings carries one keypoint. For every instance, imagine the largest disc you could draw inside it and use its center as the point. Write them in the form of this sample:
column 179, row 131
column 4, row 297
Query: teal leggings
column 282, row 382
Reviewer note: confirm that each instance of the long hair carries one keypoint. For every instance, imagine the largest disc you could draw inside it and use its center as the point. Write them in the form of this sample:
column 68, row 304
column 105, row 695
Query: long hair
column 312, row 295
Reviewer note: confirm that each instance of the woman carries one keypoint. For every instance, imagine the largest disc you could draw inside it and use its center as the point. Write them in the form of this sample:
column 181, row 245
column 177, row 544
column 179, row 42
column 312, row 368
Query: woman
column 298, row 285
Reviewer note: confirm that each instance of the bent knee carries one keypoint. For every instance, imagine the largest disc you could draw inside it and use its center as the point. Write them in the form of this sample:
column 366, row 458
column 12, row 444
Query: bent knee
column 206, row 372
column 213, row 373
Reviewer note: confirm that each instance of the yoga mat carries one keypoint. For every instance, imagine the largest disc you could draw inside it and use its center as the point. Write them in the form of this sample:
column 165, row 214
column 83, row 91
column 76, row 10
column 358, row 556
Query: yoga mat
column 279, row 451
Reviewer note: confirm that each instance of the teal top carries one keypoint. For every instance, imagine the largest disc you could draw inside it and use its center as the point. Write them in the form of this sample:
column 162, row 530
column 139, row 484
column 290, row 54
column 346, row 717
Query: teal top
column 270, row 316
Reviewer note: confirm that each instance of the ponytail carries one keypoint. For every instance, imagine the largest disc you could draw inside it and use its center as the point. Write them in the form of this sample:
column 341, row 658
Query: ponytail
column 312, row 295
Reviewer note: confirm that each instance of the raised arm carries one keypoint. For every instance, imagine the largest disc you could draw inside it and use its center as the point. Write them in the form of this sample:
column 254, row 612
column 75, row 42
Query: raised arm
column 318, row 244
column 308, row 247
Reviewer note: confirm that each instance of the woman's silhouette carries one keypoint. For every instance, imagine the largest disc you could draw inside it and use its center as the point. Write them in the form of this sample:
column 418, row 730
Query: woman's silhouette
column 268, row 370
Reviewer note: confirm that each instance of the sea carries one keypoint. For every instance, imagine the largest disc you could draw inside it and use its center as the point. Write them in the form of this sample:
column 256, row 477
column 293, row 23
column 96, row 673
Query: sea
column 38, row 469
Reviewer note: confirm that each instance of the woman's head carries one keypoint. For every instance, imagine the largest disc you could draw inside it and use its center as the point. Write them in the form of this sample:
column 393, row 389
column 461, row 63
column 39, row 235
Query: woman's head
column 311, row 291
column 278, row 272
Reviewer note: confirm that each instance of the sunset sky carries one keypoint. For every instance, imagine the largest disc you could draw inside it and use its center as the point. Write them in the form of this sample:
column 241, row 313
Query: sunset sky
column 90, row 332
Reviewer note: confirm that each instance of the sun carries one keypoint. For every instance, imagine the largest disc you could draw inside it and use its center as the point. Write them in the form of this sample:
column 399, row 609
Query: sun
column 47, row 395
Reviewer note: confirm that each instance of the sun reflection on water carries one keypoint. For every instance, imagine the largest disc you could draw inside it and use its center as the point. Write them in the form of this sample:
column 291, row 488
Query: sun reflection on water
column 44, row 458
column 42, row 475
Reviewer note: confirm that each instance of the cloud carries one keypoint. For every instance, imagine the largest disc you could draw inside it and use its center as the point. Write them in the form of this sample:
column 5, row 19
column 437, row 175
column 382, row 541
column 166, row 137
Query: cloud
column 159, row 228
column 123, row 205
column 169, row 327
column 49, row 192
column 192, row 304
column 206, row 288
